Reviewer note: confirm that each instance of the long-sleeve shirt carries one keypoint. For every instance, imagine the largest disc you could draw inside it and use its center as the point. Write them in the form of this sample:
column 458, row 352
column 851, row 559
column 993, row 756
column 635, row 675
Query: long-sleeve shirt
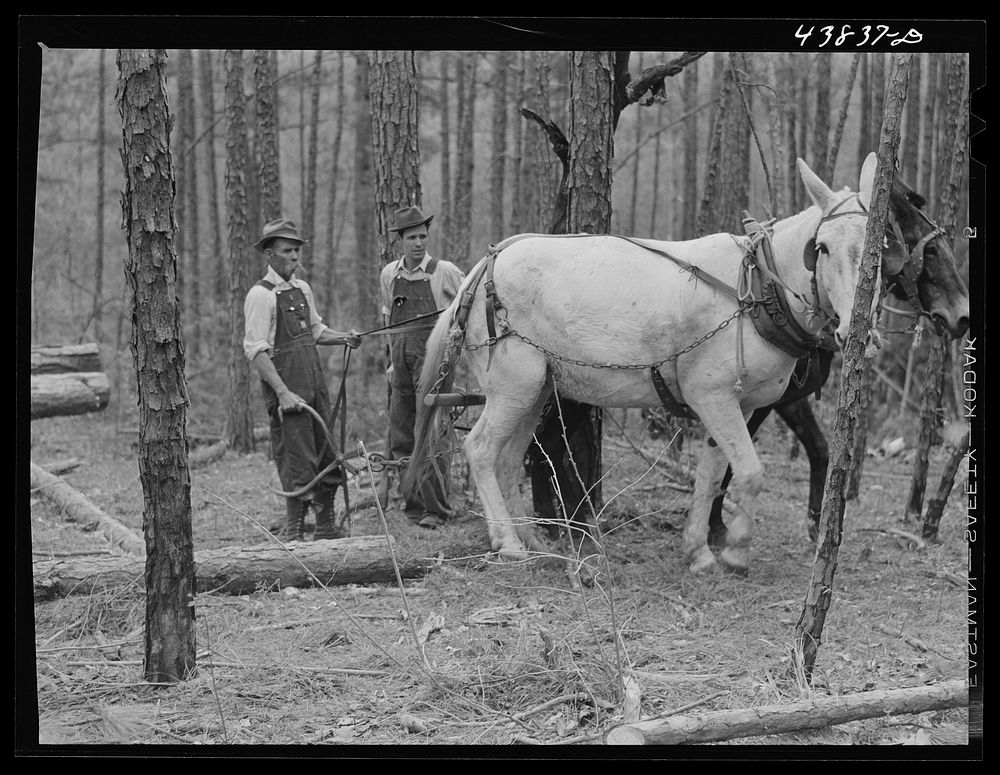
column 259, row 313
column 445, row 281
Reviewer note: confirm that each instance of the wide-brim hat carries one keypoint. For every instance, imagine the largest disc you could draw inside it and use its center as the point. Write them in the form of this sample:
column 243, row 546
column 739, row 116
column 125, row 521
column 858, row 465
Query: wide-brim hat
column 408, row 217
column 282, row 227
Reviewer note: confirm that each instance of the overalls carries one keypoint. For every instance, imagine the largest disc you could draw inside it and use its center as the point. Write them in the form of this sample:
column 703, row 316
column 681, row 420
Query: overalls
column 406, row 353
column 299, row 442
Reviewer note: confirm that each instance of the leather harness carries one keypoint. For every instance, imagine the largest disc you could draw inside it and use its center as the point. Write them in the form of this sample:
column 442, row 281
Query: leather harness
column 764, row 294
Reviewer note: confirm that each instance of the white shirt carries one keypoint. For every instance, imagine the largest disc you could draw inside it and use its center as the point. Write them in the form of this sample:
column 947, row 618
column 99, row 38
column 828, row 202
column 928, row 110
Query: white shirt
column 445, row 281
column 259, row 313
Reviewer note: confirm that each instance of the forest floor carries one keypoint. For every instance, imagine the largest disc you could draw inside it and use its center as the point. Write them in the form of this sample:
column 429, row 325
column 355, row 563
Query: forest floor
column 479, row 653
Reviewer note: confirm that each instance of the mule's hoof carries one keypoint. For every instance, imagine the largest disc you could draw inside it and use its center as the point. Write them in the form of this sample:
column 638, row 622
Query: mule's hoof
column 702, row 561
column 813, row 531
column 736, row 559
column 510, row 552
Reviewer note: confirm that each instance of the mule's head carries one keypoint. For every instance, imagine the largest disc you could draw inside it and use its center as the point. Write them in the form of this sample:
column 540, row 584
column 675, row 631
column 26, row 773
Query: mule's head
column 927, row 257
column 835, row 252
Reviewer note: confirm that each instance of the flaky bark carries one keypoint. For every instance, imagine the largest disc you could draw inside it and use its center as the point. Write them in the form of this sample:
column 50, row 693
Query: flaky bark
column 809, row 630
column 267, row 135
column 158, row 355
column 239, row 427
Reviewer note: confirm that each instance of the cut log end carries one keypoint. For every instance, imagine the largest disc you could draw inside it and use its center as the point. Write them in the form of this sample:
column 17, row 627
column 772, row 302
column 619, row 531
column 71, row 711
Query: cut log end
column 54, row 395
column 625, row 735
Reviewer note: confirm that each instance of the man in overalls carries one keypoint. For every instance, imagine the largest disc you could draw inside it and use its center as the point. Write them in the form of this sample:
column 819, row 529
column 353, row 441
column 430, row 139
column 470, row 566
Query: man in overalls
column 414, row 285
column 282, row 331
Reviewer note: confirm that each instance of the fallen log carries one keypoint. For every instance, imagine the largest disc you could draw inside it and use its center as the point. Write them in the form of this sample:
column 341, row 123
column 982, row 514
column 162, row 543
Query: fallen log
column 58, row 359
column 78, row 392
column 76, row 507
column 242, row 569
column 796, row 716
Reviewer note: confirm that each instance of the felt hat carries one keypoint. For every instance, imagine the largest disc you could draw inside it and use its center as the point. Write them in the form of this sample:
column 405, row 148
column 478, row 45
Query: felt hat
column 282, row 227
column 408, row 217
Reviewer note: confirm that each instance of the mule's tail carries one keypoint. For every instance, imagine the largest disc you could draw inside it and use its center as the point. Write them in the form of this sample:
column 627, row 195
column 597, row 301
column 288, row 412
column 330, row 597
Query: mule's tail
column 431, row 428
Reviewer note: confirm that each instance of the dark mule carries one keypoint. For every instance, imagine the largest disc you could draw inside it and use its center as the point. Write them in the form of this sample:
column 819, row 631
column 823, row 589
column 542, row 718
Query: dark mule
column 928, row 280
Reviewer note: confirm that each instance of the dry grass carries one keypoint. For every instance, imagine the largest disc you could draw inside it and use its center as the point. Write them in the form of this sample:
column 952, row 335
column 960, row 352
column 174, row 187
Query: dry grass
column 480, row 653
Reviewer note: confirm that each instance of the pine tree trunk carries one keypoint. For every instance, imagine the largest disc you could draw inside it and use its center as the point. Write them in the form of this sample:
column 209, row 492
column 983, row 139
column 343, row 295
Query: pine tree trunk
column 240, row 419
column 499, row 137
column 821, row 125
column 591, row 154
column 655, row 203
column 302, row 136
column 791, row 135
column 689, row 95
column 158, row 354
column 911, row 129
column 465, row 160
column 927, row 151
column 99, row 237
column 776, row 103
column 708, row 212
column 809, row 630
column 805, row 89
column 190, row 202
column 182, row 144
column 929, row 424
column 865, row 145
column 446, row 198
column 309, row 207
column 845, row 104
column 221, row 282
column 366, row 289
column 267, row 136
column 878, row 94
column 736, row 152
column 636, row 166
column 935, row 506
column 332, row 295
column 538, row 192
column 951, row 163
column 517, row 205
column 395, row 142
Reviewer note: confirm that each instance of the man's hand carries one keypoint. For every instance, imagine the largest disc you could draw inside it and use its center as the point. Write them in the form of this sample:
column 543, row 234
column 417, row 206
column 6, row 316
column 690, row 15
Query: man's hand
column 353, row 339
column 289, row 402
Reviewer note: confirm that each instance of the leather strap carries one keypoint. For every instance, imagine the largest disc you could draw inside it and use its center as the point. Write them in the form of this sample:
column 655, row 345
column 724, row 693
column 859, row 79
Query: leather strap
column 698, row 273
column 671, row 404
column 778, row 325
column 491, row 306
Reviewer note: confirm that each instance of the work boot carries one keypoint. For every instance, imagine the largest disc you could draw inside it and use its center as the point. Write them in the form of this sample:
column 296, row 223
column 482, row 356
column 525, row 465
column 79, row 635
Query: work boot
column 326, row 527
column 295, row 514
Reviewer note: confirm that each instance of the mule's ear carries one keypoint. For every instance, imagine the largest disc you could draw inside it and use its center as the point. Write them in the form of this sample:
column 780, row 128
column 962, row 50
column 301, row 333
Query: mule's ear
column 809, row 254
column 820, row 193
column 867, row 180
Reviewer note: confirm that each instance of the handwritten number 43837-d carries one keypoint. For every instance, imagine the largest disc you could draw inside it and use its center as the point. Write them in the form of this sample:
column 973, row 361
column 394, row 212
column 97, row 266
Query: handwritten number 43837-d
column 866, row 37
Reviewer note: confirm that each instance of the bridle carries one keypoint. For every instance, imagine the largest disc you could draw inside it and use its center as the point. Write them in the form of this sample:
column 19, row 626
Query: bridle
column 810, row 255
column 914, row 266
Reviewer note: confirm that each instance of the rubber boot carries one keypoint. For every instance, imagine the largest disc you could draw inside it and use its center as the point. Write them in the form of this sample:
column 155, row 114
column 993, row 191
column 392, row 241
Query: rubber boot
column 325, row 525
column 295, row 514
